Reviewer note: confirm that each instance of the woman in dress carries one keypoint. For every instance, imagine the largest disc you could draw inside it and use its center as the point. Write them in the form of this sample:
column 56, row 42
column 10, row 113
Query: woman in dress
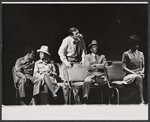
column 133, row 65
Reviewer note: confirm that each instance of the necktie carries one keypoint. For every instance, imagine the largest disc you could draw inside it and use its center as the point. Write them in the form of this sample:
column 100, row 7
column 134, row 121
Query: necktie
column 77, row 51
column 96, row 59
column 134, row 54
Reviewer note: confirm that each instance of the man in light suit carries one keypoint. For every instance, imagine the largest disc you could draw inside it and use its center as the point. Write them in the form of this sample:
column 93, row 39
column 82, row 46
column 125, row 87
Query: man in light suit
column 95, row 69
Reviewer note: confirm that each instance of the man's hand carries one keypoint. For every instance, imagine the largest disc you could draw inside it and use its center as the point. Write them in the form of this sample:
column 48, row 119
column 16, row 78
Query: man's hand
column 54, row 75
column 24, row 78
column 82, row 62
column 94, row 65
column 68, row 65
column 99, row 66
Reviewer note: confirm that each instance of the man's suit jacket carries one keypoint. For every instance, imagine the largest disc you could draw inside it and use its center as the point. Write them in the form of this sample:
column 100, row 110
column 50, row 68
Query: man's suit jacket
column 90, row 62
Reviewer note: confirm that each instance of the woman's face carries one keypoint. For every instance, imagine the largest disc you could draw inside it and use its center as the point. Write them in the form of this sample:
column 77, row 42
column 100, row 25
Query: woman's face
column 41, row 55
column 134, row 47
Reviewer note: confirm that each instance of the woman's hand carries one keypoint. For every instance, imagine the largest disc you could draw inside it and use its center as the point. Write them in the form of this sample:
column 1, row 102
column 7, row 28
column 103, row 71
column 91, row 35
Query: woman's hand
column 140, row 73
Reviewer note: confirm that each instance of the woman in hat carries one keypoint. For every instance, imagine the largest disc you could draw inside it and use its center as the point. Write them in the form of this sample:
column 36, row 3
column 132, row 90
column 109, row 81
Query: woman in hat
column 45, row 69
column 133, row 65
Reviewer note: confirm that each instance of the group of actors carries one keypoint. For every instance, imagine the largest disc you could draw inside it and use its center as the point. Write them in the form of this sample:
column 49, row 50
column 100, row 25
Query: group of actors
column 43, row 72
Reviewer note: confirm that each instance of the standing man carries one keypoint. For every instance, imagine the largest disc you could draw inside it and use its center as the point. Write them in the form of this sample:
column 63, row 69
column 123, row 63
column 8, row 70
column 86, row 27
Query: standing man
column 95, row 69
column 24, row 71
column 71, row 50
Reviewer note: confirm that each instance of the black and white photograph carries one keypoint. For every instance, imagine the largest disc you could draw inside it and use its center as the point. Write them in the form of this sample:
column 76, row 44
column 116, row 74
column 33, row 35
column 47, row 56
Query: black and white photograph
column 74, row 59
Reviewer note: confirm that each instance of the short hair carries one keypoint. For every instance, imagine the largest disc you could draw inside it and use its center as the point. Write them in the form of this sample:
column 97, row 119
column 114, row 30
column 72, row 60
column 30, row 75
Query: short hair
column 28, row 50
column 72, row 30
column 133, row 40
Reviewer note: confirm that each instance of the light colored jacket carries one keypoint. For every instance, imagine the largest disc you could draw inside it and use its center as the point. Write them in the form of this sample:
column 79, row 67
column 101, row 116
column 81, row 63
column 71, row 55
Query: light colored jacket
column 90, row 61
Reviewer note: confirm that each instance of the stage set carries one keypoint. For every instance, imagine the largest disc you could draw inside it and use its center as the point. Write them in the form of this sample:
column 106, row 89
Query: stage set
column 111, row 25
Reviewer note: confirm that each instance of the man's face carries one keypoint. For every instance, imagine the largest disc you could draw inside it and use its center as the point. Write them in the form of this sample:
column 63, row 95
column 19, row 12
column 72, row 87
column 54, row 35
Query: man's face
column 76, row 34
column 94, row 49
column 31, row 55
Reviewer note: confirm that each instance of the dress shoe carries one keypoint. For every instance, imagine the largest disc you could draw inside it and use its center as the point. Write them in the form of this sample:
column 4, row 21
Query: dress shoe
column 22, row 102
column 85, row 99
column 55, row 96
column 33, row 101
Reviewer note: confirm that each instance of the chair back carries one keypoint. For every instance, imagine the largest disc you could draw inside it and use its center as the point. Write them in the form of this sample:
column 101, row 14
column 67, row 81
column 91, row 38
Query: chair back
column 59, row 70
column 77, row 72
column 15, row 78
column 114, row 70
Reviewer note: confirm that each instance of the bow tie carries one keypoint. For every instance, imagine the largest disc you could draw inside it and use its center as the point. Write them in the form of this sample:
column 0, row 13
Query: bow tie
column 75, row 42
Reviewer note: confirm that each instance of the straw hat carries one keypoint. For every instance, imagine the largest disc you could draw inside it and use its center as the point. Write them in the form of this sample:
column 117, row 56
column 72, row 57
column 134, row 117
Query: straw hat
column 44, row 49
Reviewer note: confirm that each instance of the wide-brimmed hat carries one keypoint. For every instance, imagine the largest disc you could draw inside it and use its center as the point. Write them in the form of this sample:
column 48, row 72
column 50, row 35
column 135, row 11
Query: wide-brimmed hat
column 44, row 49
column 94, row 42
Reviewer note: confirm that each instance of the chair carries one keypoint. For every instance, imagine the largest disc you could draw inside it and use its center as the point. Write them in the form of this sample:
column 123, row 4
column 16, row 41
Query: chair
column 114, row 74
column 76, row 76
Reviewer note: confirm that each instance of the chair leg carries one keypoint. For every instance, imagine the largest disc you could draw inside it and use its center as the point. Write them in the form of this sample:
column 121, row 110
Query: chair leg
column 109, row 98
column 69, row 96
column 74, row 95
column 117, row 95
column 17, row 98
column 111, row 95
column 101, row 97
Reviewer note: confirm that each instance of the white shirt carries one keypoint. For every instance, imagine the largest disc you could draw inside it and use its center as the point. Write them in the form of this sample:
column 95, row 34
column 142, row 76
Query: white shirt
column 68, row 48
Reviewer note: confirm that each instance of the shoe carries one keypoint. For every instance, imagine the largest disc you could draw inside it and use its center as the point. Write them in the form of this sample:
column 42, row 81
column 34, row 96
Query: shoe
column 55, row 96
column 33, row 101
column 22, row 101
column 85, row 99
column 142, row 103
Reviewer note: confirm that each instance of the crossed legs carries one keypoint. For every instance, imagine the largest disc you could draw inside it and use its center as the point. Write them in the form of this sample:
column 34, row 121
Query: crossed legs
column 139, row 84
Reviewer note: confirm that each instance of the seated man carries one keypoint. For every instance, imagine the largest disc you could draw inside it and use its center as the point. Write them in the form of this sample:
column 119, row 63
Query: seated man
column 45, row 71
column 95, row 72
column 24, row 70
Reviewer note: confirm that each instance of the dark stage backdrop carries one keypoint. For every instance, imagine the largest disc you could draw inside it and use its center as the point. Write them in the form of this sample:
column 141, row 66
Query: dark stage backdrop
column 36, row 25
